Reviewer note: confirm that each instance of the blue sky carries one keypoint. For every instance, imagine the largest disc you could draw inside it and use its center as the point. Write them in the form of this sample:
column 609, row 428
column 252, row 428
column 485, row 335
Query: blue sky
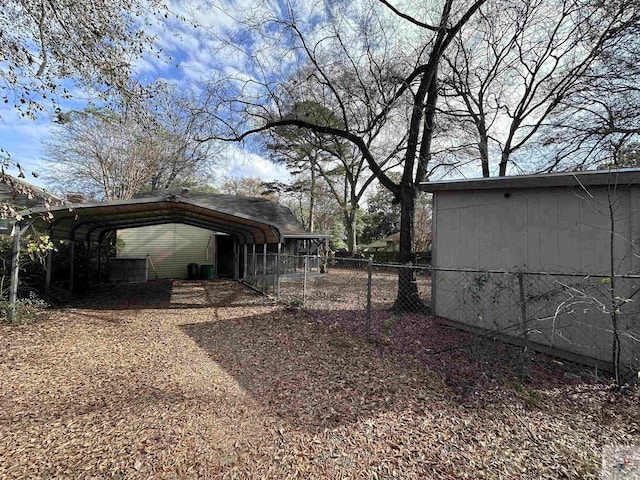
column 196, row 56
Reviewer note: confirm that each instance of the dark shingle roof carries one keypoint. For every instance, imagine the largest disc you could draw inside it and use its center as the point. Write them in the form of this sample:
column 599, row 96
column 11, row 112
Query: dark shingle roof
column 22, row 195
column 256, row 207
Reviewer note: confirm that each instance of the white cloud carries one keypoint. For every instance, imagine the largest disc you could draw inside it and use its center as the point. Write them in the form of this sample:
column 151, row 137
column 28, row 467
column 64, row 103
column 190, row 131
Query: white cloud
column 245, row 164
column 24, row 139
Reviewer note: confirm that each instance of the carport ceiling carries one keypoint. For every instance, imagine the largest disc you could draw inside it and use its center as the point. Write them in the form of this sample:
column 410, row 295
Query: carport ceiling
column 89, row 221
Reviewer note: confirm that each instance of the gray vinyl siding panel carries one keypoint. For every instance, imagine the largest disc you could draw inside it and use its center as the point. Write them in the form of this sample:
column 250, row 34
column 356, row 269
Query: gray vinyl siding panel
column 171, row 247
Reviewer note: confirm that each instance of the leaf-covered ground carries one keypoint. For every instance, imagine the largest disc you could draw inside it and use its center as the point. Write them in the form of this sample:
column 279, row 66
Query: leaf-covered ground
column 187, row 380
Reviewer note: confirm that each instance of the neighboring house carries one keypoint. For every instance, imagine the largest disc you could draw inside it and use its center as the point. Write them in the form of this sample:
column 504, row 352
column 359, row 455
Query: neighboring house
column 559, row 224
column 386, row 250
column 386, row 244
column 22, row 195
column 172, row 247
column 17, row 194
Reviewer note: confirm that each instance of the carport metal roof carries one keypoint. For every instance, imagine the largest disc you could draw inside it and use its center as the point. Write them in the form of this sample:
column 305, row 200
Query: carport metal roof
column 90, row 221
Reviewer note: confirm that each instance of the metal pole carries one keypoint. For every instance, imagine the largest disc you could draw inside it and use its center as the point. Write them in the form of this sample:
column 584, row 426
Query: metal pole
column 264, row 267
column 368, row 317
column 278, row 271
column 244, row 269
column 47, row 278
column 88, row 260
column 525, row 325
column 264, row 259
column 72, row 253
column 253, row 261
column 15, row 275
column 99, row 262
column 304, row 281
column 236, row 260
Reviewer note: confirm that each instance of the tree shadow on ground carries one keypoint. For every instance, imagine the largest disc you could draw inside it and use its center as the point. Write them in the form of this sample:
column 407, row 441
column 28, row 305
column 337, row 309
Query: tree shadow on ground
column 167, row 294
column 478, row 369
column 312, row 376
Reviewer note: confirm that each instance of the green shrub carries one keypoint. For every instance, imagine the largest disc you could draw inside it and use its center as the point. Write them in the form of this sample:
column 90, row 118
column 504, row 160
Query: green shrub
column 388, row 324
column 27, row 310
column 295, row 302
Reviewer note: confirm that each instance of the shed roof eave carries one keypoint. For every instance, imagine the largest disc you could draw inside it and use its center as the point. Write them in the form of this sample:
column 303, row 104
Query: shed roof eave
column 620, row 177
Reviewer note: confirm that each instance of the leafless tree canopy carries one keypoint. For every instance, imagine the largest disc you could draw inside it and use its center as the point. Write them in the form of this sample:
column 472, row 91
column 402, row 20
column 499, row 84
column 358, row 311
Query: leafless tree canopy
column 111, row 156
column 93, row 43
column 520, row 64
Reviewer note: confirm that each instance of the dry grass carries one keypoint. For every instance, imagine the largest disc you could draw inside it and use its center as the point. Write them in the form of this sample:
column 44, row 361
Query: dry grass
column 190, row 381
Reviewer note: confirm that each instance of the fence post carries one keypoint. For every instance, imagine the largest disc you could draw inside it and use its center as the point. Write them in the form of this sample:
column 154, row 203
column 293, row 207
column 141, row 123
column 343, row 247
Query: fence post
column 368, row 317
column 525, row 325
column 304, row 281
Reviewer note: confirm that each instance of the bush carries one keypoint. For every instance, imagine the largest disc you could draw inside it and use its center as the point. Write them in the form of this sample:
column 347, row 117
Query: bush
column 27, row 310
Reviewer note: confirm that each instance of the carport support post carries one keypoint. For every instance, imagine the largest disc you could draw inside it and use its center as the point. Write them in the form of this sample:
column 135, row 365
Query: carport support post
column 15, row 274
column 244, row 270
column 15, row 269
column 72, row 254
column 88, row 260
column 236, row 260
column 47, row 278
column 278, row 271
column 264, row 259
column 100, row 262
column 254, row 264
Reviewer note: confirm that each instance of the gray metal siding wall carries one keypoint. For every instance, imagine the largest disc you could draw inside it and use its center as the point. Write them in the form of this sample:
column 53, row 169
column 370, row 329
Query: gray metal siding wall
column 552, row 230
column 171, row 247
column 559, row 230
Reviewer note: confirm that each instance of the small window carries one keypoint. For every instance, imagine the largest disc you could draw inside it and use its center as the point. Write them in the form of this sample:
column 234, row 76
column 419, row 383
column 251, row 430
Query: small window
column 6, row 226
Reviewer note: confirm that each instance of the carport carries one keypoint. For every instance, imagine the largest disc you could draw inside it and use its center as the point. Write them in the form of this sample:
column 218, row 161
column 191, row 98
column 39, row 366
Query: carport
column 91, row 223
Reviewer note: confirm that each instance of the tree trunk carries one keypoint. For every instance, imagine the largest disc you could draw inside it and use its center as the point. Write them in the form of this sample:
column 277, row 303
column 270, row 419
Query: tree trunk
column 483, row 147
column 504, row 160
column 351, row 221
column 312, row 200
column 408, row 299
column 351, row 226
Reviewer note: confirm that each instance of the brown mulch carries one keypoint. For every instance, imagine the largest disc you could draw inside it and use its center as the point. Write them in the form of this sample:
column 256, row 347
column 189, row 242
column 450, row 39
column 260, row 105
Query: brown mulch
column 192, row 380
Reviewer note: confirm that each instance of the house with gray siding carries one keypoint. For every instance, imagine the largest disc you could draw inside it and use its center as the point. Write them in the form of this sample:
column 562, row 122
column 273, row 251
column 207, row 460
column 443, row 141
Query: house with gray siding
column 544, row 258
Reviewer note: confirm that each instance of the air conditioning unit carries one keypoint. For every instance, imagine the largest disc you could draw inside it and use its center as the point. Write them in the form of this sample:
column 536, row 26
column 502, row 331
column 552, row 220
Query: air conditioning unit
column 6, row 226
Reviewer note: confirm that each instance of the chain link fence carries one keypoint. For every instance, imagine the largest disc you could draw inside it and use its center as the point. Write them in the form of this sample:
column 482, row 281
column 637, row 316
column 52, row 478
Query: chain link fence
column 587, row 318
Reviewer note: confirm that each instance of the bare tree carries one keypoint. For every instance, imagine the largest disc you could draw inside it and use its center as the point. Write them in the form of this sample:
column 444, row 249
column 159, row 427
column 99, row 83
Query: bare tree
column 247, row 187
column 329, row 159
column 181, row 159
column 599, row 124
column 520, row 62
column 48, row 45
column 92, row 42
column 392, row 59
column 101, row 155
column 108, row 155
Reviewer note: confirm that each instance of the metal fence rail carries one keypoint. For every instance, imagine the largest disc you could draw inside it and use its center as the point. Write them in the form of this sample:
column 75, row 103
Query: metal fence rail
column 591, row 316
column 567, row 314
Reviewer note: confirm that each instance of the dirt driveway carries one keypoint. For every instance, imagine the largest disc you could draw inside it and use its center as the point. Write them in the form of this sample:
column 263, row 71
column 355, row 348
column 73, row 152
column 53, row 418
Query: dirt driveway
column 192, row 380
